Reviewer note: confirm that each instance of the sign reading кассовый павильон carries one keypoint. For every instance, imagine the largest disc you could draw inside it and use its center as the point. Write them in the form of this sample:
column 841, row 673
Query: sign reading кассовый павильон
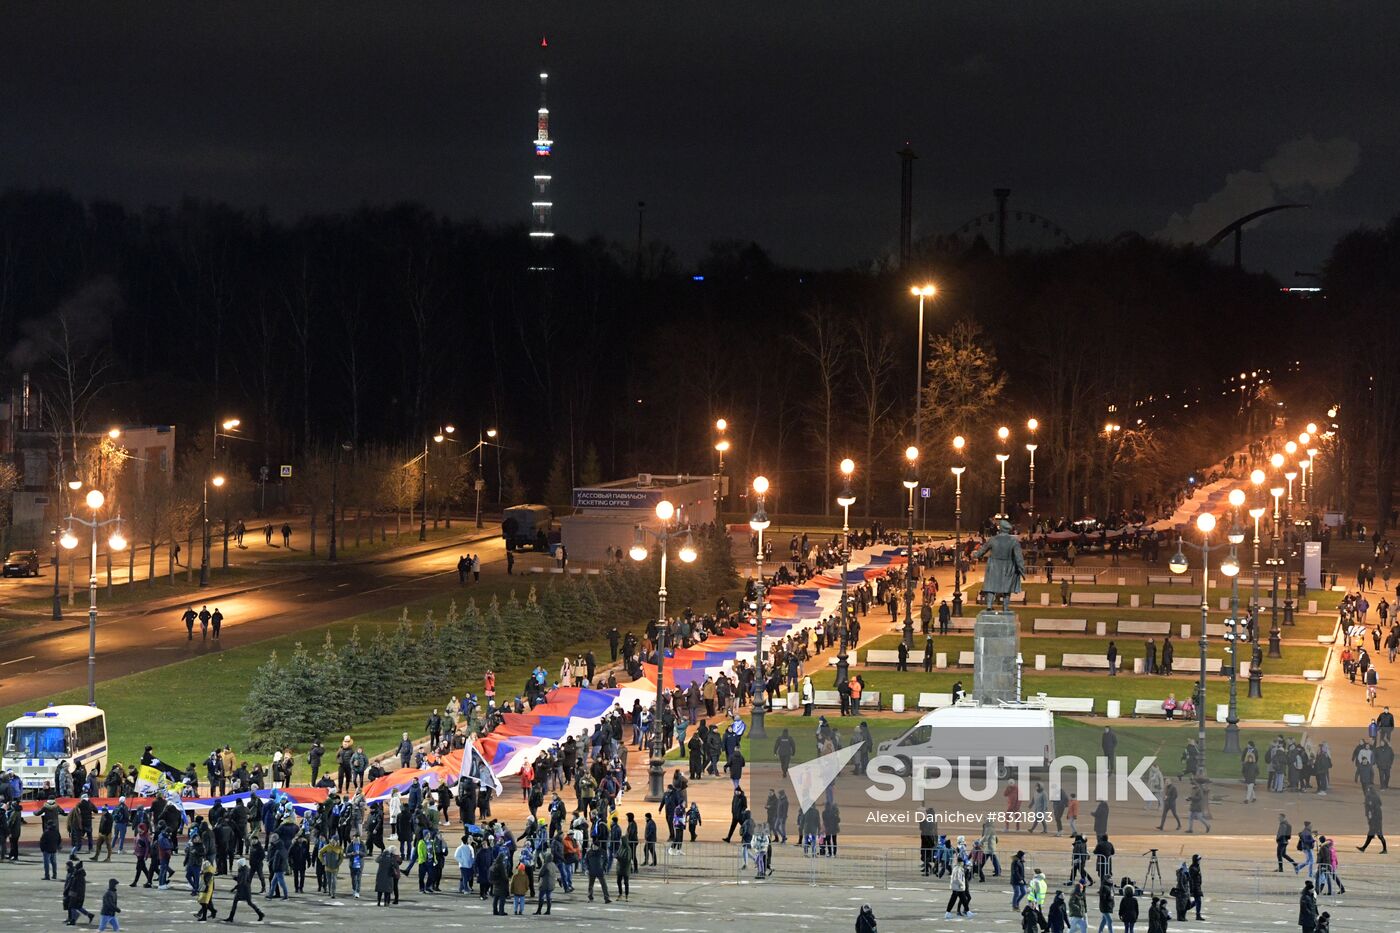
column 594, row 498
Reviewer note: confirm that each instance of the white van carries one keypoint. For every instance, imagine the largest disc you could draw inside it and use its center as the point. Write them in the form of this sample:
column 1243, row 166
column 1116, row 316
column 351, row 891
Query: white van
column 1012, row 734
column 36, row 742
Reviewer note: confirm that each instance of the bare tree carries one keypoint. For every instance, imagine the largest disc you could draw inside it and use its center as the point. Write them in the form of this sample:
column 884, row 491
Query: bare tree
column 873, row 363
column 824, row 344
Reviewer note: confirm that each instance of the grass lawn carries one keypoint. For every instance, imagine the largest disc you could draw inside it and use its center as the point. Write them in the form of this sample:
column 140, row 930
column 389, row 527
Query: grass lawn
column 1295, row 660
column 1072, row 737
column 1326, row 599
column 1279, row 698
column 185, row 709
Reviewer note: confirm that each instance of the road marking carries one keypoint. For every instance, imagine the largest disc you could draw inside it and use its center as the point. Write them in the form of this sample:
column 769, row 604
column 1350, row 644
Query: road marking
column 299, row 596
column 339, row 585
column 17, row 660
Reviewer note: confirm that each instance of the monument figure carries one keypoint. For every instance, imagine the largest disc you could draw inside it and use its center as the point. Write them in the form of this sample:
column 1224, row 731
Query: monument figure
column 1005, row 566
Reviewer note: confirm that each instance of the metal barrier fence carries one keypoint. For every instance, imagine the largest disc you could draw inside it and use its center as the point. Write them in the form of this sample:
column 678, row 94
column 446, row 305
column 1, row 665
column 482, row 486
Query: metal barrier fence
column 900, row 865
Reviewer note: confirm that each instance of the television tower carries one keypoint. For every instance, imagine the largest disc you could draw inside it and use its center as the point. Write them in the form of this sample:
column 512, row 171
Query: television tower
column 541, row 207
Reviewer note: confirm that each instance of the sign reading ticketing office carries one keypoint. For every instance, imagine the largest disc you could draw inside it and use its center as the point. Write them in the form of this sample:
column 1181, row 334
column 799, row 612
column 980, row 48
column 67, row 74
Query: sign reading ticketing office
column 604, row 498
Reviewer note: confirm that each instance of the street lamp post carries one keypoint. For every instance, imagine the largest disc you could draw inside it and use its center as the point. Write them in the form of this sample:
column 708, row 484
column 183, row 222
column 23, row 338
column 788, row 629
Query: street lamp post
column 911, row 481
column 921, row 292
column 1231, row 568
column 1274, row 561
column 482, row 442
column 437, row 438
column 1003, row 433
column 958, row 443
column 665, row 511
column 1031, row 426
column 721, row 447
column 57, row 599
column 1256, row 673
column 221, row 429
column 759, row 523
column 95, row 500
column 845, row 500
column 1205, row 523
column 218, row 482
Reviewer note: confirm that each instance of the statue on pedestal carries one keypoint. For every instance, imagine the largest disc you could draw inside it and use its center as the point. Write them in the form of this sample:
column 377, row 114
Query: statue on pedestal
column 1005, row 566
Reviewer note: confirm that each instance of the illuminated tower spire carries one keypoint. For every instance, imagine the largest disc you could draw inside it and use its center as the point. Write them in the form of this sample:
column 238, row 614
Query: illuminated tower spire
column 541, row 207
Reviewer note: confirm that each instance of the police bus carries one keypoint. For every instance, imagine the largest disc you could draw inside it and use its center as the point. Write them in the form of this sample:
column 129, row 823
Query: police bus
column 36, row 742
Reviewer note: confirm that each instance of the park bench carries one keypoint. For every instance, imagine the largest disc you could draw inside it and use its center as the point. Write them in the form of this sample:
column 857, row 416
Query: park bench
column 1176, row 599
column 1090, row 662
column 1060, row 625
column 1132, row 627
column 965, row 659
column 830, row 699
column 1312, row 675
column 1077, row 577
column 1265, row 602
column 1081, row 705
column 935, row 700
column 1093, row 599
column 1015, row 597
column 1169, row 579
column 1149, row 708
column 883, row 656
column 1192, row 665
column 1294, row 719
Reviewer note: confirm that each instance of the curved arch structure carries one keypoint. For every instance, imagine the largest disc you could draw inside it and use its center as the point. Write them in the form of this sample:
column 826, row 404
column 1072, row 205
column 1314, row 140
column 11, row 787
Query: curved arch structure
column 1237, row 226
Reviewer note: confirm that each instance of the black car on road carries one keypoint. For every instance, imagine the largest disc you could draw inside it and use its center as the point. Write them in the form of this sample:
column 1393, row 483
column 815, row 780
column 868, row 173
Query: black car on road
column 22, row 564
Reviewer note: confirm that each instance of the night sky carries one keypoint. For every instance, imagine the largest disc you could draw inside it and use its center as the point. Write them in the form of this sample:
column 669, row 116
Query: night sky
column 771, row 121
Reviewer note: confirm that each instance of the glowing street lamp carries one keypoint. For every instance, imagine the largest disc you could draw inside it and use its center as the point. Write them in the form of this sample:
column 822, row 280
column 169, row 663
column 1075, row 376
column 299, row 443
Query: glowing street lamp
column 1205, row 524
column 759, row 523
column 911, row 482
column 664, row 511
column 94, row 500
column 1032, row 425
column 845, row 500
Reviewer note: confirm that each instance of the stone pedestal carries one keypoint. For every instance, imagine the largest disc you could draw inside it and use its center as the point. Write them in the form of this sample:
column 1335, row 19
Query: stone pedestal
column 996, row 643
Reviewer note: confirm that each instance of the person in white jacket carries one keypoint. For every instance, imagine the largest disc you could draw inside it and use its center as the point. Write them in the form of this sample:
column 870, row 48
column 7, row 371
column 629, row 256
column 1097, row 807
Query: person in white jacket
column 809, row 696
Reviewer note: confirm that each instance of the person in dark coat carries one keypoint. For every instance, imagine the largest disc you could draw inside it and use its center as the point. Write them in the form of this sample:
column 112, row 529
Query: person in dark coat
column 385, row 875
column 109, row 907
column 865, row 920
column 1374, row 827
column 595, row 861
column 75, row 891
column 1307, row 909
column 1128, row 907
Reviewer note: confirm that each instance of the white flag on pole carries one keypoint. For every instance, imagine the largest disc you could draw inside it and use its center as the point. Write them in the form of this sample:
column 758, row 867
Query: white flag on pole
column 475, row 767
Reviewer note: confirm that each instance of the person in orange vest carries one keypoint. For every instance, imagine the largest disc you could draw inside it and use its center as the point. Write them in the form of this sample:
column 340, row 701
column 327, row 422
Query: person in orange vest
column 857, row 686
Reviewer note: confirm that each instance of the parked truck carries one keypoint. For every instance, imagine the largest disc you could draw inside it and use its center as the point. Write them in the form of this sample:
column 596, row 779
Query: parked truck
column 528, row 527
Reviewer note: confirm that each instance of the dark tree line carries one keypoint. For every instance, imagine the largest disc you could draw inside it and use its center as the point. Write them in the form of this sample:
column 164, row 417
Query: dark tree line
column 378, row 325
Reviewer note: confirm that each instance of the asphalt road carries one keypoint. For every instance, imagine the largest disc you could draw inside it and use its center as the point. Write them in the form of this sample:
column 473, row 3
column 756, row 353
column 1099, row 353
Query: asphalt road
column 36, row 663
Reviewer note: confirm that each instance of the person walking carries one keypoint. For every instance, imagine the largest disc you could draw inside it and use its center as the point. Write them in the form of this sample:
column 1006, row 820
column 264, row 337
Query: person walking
column 243, row 890
column 110, row 909
column 1196, row 809
column 1078, row 909
column 206, row 892
column 1374, row 826
column 1106, row 906
column 75, row 891
column 1281, row 837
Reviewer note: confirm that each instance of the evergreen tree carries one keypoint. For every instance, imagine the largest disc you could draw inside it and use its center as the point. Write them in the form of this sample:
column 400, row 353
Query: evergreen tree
column 332, row 697
column 301, row 717
column 590, row 474
column 381, row 697
column 361, row 676
column 402, row 655
column 557, row 490
column 495, row 651
column 262, row 708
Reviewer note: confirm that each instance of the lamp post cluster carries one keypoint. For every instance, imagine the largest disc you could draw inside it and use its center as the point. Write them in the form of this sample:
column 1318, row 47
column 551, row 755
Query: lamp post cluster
column 225, row 428
column 845, row 500
column 95, row 500
column 1205, row 524
column 759, row 523
column 721, row 447
column 665, row 513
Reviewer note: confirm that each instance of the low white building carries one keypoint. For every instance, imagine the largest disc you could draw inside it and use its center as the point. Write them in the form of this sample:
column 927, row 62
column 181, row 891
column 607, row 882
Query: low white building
column 605, row 515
